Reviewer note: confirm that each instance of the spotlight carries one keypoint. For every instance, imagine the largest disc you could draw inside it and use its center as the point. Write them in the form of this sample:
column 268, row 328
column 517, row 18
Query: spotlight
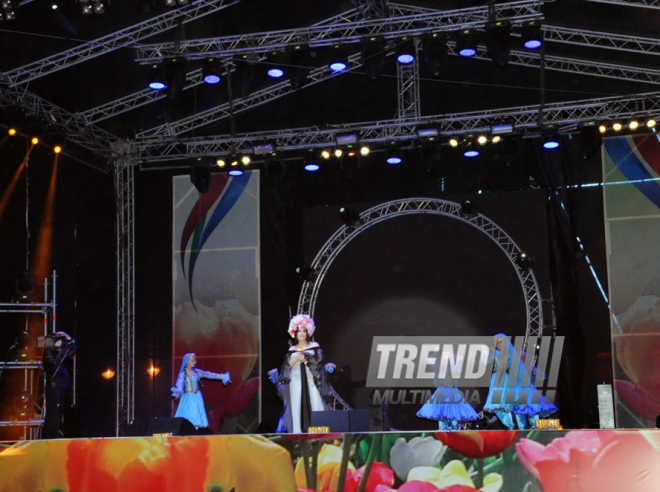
column 338, row 153
column 57, row 139
column 532, row 35
column 470, row 148
column 25, row 287
column 435, row 52
column 467, row 43
column 617, row 127
column 453, row 142
column 338, row 61
column 373, row 56
column 297, row 64
column 405, row 51
column 35, row 128
column 175, row 72
column 602, row 128
column 157, row 80
column 482, row 139
column 496, row 139
column 590, row 141
column 108, row 374
column 306, row 273
column 524, row 262
column 245, row 160
column 650, row 123
column 311, row 164
column 211, row 71
column 550, row 139
column 427, row 133
column 200, row 174
column 347, row 139
column 431, row 157
column 364, row 150
column 468, row 207
column 274, row 172
column 11, row 132
column 498, row 43
column 220, row 162
column 393, row 156
column 325, row 154
column 15, row 119
column 24, row 405
column 99, row 7
column 350, row 165
column 236, row 172
column 633, row 125
column 349, row 216
column 245, row 74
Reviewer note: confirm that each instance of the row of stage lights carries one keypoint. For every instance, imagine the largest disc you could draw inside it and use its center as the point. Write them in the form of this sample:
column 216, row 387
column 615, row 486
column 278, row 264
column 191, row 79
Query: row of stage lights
column 87, row 7
column 348, row 149
column 295, row 60
column 37, row 131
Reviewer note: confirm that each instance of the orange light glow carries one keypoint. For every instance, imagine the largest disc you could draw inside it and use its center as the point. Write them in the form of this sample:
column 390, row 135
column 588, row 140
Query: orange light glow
column 153, row 371
column 12, row 132
column 35, row 140
column 108, row 374
column 57, row 149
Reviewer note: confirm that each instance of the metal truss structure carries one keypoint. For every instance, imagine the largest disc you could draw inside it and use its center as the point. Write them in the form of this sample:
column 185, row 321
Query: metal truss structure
column 382, row 212
column 111, row 42
column 373, row 9
column 651, row 4
column 595, row 39
column 407, row 77
column 414, row 24
column 567, row 114
column 125, row 228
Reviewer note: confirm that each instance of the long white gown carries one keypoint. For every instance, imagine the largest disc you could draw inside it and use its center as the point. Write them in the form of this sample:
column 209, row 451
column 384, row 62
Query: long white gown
column 296, row 393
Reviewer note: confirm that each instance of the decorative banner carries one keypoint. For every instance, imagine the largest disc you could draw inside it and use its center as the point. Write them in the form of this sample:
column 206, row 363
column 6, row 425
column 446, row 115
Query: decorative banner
column 631, row 170
column 216, row 288
column 486, row 461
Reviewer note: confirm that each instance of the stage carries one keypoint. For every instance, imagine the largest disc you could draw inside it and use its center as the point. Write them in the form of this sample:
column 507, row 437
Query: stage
column 462, row 461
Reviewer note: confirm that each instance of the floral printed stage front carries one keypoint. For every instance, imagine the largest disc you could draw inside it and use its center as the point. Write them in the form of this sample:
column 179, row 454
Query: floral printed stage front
column 488, row 461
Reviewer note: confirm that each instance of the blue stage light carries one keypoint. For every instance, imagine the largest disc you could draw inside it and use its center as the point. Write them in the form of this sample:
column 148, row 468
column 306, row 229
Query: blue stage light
column 550, row 145
column 405, row 59
column 212, row 71
column 532, row 35
column 157, row 86
column 471, row 153
column 311, row 167
column 394, row 157
column 405, row 51
column 236, row 172
column 467, row 43
column 275, row 73
column 337, row 58
column 551, row 140
column 338, row 67
column 211, row 79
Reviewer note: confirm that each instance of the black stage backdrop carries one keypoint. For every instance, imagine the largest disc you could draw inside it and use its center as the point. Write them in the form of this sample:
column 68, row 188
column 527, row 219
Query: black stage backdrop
column 84, row 256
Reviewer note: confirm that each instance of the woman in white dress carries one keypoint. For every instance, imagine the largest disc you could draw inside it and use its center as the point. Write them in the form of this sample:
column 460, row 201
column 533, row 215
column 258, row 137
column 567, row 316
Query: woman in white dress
column 302, row 382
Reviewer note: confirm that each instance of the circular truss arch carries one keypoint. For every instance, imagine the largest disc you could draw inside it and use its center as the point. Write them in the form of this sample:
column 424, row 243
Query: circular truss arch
column 434, row 206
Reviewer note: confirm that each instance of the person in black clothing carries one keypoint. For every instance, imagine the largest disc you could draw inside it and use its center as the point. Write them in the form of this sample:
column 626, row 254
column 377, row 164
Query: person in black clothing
column 59, row 347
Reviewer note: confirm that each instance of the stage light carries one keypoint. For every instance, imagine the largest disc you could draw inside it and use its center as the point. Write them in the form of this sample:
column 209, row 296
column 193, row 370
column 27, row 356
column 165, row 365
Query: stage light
column 482, row 139
column 633, row 125
column 617, row 127
column 337, row 59
column 435, row 52
column 99, row 7
column 153, row 370
column 220, row 162
column 35, row 128
column 236, row 172
column 431, row 156
column 325, row 154
column 25, row 287
column 524, row 261
column 453, row 142
column 428, row 132
column 350, row 165
column 349, row 216
column 200, row 174
column 274, row 171
column 650, row 123
column 405, row 51
column 338, row 153
column 502, row 129
column 496, row 139
column 264, row 148
column 498, row 42
column 275, row 72
column 364, row 150
column 278, row 59
column 306, row 273
column 108, row 374
column 12, row 132
column 550, row 139
column 212, row 71
column 602, row 128
column 298, row 61
column 467, row 43
column 35, row 140
column 245, row 160
column 157, row 79
column 57, row 138
column 470, row 148
column 590, row 141
column 393, row 156
column 373, row 56
column 532, row 35
column 468, row 207
column 311, row 164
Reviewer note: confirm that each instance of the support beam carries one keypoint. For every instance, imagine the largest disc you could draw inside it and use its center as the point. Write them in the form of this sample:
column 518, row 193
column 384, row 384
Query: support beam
column 407, row 78
column 111, row 42
column 649, row 4
column 564, row 113
column 595, row 39
column 373, row 9
column 407, row 25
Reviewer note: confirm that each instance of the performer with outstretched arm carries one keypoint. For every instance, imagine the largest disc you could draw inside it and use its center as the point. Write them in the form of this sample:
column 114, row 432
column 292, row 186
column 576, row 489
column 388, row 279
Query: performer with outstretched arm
column 188, row 387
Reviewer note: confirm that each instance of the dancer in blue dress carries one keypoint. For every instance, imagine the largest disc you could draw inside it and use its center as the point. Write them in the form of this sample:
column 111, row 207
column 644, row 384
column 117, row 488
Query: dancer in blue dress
column 448, row 406
column 503, row 411
column 188, row 387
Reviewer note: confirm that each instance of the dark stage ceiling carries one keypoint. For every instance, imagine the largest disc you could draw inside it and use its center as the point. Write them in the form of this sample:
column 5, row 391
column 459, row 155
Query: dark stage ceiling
column 593, row 51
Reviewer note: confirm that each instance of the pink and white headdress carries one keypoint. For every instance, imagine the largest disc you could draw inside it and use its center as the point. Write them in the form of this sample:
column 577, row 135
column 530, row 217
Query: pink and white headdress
column 304, row 321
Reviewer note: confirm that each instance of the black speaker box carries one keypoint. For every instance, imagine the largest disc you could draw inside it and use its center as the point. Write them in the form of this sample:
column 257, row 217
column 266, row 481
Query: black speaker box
column 343, row 420
column 149, row 427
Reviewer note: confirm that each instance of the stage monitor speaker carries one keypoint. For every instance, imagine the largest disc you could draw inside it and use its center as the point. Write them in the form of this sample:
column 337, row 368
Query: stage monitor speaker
column 338, row 421
column 161, row 427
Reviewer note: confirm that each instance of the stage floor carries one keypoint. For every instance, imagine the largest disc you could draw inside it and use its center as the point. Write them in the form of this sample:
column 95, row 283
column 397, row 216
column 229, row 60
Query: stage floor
column 462, row 461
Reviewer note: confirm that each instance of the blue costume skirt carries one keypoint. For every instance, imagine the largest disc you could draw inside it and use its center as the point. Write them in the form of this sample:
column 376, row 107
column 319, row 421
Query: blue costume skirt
column 448, row 415
column 191, row 407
